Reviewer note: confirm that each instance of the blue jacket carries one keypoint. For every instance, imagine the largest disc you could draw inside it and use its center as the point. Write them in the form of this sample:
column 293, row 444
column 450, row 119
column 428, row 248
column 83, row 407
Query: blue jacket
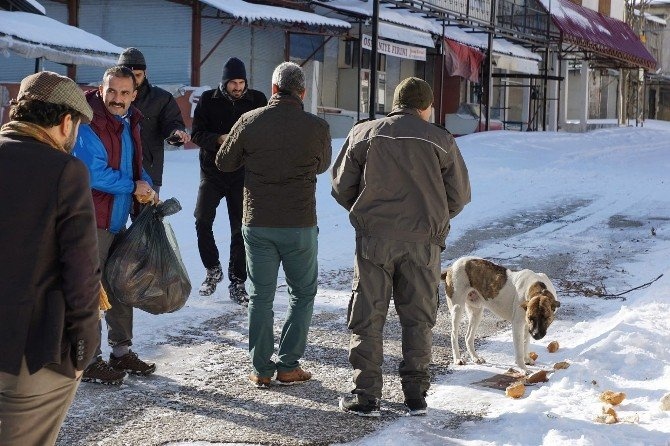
column 116, row 182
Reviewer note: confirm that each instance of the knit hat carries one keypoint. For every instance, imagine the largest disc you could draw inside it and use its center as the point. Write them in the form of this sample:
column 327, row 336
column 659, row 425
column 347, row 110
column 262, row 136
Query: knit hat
column 133, row 59
column 413, row 93
column 53, row 88
column 233, row 69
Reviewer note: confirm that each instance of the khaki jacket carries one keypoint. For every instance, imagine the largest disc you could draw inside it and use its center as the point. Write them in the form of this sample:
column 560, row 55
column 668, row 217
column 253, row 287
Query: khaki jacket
column 282, row 149
column 401, row 178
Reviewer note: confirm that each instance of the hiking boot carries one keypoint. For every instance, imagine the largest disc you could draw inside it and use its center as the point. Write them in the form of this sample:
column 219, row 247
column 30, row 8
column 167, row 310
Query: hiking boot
column 297, row 375
column 360, row 405
column 100, row 372
column 130, row 363
column 416, row 407
column 238, row 293
column 214, row 276
column 262, row 382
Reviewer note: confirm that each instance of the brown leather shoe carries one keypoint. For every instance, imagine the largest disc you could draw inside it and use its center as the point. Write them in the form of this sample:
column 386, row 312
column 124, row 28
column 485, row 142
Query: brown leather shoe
column 262, row 382
column 297, row 375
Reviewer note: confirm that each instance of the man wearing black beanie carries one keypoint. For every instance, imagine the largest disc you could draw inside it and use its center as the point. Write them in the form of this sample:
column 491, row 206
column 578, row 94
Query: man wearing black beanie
column 214, row 116
column 162, row 117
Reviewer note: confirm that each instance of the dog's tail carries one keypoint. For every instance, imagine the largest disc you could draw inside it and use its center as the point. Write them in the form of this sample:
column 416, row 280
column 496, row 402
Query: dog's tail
column 447, row 278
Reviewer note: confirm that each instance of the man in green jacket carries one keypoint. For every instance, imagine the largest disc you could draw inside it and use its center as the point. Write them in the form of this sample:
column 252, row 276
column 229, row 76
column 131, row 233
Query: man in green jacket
column 402, row 179
column 282, row 149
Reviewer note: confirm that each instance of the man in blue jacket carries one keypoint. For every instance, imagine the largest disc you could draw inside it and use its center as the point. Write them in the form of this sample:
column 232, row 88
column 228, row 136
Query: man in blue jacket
column 111, row 148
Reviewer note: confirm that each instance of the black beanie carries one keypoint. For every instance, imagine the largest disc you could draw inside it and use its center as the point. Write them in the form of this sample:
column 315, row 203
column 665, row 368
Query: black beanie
column 133, row 59
column 233, row 69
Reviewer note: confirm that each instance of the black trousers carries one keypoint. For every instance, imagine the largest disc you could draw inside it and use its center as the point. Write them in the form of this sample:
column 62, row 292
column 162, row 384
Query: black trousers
column 212, row 189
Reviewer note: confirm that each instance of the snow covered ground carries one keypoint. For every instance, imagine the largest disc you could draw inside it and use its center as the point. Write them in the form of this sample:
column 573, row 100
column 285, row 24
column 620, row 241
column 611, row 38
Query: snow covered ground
column 594, row 207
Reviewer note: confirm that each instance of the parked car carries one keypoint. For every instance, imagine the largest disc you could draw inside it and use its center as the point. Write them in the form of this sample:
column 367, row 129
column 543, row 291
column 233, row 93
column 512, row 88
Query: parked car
column 469, row 119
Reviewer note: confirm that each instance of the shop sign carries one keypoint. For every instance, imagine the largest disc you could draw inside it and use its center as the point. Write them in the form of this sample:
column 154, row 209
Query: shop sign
column 395, row 49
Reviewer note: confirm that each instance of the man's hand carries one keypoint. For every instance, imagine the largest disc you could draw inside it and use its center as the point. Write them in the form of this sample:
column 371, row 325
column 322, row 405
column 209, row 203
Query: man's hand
column 142, row 188
column 183, row 136
column 222, row 139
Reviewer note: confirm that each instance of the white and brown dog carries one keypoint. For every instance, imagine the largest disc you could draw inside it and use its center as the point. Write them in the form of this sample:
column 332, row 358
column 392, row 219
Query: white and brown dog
column 525, row 298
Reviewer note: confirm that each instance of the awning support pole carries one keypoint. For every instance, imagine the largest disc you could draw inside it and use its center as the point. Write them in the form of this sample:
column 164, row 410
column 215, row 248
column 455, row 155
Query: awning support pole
column 196, row 36
column 489, row 61
column 360, row 59
column 373, row 59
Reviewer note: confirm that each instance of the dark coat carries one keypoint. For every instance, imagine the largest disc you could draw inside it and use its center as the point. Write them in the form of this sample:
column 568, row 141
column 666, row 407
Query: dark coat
column 162, row 117
column 282, row 148
column 49, row 267
column 214, row 116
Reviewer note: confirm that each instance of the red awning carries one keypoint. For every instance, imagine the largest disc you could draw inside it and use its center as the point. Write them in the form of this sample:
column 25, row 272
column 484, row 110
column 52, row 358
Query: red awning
column 462, row 60
column 592, row 31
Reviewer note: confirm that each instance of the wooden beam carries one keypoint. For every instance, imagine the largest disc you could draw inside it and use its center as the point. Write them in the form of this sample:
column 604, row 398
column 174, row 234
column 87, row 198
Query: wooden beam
column 196, row 32
column 72, row 20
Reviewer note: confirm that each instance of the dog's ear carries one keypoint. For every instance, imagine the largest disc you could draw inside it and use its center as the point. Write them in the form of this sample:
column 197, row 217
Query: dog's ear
column 555, row 304
column 444, row 273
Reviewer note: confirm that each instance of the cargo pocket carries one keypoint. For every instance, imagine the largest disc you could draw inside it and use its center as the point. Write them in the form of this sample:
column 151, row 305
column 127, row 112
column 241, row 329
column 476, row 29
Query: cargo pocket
column 350, row 307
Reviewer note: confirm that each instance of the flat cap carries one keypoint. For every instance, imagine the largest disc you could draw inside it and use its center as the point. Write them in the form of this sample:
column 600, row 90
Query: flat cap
column 47, row 86
column 413, row 93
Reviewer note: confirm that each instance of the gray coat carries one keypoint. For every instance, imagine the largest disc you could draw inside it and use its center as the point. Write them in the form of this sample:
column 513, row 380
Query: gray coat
column 282, row 148
column 401, row 178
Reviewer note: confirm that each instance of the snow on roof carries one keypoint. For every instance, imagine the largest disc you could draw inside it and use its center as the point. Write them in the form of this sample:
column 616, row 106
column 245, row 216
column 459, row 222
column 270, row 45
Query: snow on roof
column 386, row 13
column 409, row 19
column 37, row 6
column 252, row 12
column 651, row 17
column 33, row 36
column 480, row 40
column 402, row 34
column 599, row 33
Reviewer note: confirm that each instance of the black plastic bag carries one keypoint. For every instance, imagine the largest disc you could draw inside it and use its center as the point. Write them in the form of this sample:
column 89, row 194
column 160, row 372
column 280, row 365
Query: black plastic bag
column 144, row 269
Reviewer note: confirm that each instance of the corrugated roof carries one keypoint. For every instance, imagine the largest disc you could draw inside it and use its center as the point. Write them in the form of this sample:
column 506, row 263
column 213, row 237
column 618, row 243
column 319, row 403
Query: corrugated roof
column 34, row 35
column 595, row 32
column 252, row 12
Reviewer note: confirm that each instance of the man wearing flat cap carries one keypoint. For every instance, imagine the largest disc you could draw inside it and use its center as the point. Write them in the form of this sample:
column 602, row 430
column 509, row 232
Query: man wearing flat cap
column 402, row 179
column 49, row 269
column 214, row 116
column 161, row 117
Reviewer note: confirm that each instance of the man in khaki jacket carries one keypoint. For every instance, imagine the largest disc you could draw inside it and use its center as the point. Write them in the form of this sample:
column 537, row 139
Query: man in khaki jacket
column 402, row 179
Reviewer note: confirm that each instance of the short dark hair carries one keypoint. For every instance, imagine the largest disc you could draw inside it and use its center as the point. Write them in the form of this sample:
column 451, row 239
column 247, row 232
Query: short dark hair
column 44, row 114
column 120, row 71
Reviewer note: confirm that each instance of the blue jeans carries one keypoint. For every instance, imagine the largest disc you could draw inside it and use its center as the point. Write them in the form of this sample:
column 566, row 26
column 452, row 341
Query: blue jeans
column 296, row 249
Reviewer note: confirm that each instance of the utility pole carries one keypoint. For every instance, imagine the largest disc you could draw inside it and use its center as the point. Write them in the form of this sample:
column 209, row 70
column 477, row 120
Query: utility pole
column 373, row 58
column 633, row 80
